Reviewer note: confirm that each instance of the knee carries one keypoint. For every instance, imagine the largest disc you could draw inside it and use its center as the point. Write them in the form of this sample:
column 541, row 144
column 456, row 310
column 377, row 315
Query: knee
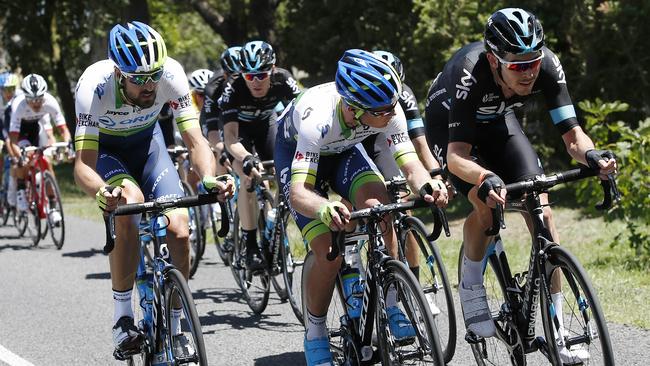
column 178, row 227
column 371, row 195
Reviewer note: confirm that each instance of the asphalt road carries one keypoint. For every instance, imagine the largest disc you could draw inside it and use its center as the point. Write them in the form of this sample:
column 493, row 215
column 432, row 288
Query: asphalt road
column 56, row 309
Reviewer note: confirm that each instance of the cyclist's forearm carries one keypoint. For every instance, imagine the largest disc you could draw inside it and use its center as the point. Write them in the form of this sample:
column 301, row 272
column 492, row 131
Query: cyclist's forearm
column 86, row 177
column 203, row 160
column 231, row 141
column 464, row 168
column 65, row 133
column 424, row 153
column 305, row 201
column 416, row 175
column 577, row 144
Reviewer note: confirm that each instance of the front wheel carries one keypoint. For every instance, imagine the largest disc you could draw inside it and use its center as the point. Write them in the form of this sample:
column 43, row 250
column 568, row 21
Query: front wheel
column 292, row 267
column 54, row 210
column 32, row 214
column 195, row 233
column 184, row 336
column 424, row 347
column 583, row 331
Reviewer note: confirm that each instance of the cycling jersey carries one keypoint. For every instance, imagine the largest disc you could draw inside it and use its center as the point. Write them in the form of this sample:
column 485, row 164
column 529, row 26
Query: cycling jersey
column 315, row 146
column 129, row 142
column 22, row 114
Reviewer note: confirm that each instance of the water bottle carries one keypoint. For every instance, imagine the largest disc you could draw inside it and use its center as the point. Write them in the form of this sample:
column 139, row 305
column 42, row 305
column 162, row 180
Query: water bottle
column 270, row 221
column 351, row 284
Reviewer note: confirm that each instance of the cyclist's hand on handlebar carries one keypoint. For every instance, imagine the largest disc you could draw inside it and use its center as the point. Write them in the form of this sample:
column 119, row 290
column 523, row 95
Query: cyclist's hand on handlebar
column 434, row 191
column 602, row 160
column 492, row 190
column 224, row 184
column 335, row 215
column 106, row 199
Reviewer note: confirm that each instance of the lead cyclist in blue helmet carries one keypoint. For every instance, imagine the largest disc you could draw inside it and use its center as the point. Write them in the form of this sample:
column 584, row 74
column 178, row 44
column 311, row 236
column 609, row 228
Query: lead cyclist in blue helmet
column 317, row 145
column 471, row 125
column 230, row 70
column 249, row 115
column 119, row 144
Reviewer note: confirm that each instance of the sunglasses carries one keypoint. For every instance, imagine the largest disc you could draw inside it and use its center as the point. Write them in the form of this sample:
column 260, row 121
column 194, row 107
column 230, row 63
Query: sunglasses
column 141, row 79
column 37, row 100
column 521, row 66
column 250, row 76
column 383, row 112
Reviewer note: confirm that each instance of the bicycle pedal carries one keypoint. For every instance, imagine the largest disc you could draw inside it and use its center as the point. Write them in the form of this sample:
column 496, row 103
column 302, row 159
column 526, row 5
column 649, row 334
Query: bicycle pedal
column 472, row 338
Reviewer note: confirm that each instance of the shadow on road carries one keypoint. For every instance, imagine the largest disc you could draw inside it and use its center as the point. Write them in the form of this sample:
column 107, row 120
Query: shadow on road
column 218, row 295
column 242, row 320
column 98, row 276
column 25, row 246
column 83, row 253
column 289, row 358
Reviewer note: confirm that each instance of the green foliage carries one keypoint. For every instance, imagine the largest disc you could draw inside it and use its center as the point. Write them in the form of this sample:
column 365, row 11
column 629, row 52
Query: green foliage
column 632, row 149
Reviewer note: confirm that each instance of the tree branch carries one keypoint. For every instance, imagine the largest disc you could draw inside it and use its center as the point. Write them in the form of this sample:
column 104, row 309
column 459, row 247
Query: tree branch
column 214, row 19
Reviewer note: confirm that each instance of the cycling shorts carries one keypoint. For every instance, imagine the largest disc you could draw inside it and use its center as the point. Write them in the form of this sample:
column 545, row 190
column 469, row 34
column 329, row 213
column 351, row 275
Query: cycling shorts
column 501, row 146
column 141, row 159
column 344, row 173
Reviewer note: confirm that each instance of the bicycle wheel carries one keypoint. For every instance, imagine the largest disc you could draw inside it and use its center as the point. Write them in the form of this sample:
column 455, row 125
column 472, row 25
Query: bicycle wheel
column 177, row 293
column 4, row 208
column 422, row 349
column 33, row 219
column 506, row 347
column 224, row 247
column 54, row 210
column 292, row 267
column 238, row 253
column 20, row 221
column 584, row 324
column 434, row 283
column 274, row 272
column 195, row 233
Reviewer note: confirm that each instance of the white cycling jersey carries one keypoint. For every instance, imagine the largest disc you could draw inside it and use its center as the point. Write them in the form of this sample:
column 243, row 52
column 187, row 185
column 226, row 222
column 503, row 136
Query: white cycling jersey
column 21, row 113
column 315, row 123
column 101, row 109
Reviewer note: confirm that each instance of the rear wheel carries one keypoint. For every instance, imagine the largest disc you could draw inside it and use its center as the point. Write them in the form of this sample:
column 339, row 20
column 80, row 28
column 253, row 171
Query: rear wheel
column 185, row 340
column 54, row 210
column 4, row 208
column 195, row 233
column 292, row 265
column 223, row 246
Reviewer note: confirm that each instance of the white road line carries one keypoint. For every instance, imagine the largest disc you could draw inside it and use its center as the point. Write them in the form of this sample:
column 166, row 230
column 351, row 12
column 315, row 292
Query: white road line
column 12, row 359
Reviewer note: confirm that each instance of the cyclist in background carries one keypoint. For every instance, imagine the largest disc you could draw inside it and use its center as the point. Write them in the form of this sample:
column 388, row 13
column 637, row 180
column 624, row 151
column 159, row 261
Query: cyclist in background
column 230, row 70
column 318, row 145
column 470, row 120
column 248, row 106
column 8, row 84
column 119, row 143
column 25, row 129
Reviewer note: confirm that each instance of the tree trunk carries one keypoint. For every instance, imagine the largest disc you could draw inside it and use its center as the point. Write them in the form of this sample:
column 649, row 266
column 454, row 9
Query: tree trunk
column 137, row 10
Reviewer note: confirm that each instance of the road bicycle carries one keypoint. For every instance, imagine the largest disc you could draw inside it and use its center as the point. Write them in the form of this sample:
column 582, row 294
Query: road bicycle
column 162, row 289
column 45, row 209
column 433, row 274
column 351, row 338
column 514, row 300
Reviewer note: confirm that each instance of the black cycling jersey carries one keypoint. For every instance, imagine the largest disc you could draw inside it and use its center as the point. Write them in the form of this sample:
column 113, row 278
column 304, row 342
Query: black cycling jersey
column 238, row 104
column 166, row 122
column 466, row 88
column 211, row 111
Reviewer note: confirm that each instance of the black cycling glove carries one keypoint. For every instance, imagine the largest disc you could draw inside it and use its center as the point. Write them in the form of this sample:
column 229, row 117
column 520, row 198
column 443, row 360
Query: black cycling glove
column 592, row 156
column 250, row 162
column 491, row 182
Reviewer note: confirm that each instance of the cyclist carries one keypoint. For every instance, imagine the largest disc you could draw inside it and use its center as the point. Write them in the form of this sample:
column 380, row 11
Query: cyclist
column 230, row 70
column 318, row 145
column 119, row 143
column 248, row 105
column 470, row 120
column 8, row 83
column 25, row 128
column 378, row 149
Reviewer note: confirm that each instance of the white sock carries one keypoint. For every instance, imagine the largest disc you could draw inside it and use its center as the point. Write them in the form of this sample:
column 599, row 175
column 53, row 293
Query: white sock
column 472, row 272
column 315, row 326
column 391, row 297
column 558, row 300
column 176, row 321
column 122, row 304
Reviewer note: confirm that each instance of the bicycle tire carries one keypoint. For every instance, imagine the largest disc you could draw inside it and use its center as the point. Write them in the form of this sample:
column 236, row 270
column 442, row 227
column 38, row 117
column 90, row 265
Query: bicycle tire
column 33, row 219
column 175, row 285
column 291, row 270
column 416, row 308
column 237, row 266
column 20, row 221
column 496, row 350
column 195, row 232
column 220, row 243
column 5, row 209
column 435, row 284
column 275, row 274
column 582, row 302
column 57, row 232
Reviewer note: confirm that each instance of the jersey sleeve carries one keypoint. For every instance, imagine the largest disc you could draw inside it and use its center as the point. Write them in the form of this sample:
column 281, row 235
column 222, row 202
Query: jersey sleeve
column 228, row 101
column 398, row 139
column 290, row 86
column 409, row 104
column 86, row 136
column 556, row 93
column 54, row 110
column 464, row 99
column 180, row 99
column 17, row 109
column 305, row 160
column 46, row 122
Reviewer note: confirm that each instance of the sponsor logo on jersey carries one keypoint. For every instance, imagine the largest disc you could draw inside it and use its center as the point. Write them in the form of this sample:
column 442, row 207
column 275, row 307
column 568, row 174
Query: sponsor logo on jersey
column 409, row 100
column 85, row 120
column 311, row 157
column 306, row 113
column 498, row 109
column 397, row 138
column 299, row 156
column 558, row 68
column 117, row 113
column 462, row 89
column 324, row 129
column 487, row 98
column 182, row 102
column 454, row 124
column 109, row 122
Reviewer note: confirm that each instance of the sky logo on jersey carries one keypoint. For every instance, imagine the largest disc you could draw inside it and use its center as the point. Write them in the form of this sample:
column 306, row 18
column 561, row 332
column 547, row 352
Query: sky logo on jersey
column 462, row 89
column 493, row 111
column 559, row 70
column 408, row 99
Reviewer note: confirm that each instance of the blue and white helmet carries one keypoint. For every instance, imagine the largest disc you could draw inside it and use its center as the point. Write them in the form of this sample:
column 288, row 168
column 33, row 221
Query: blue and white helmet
column 199, row 78
column 393, row 61
column 256, row 56
column 366, row 81
column 230, row 60
column 513, row 30
column 34, row 86
column 136, row 48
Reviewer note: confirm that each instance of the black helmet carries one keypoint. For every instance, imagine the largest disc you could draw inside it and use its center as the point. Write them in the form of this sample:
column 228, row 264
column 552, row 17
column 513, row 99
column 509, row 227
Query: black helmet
column 513, row 30
column 230, row 60
column 256, row 56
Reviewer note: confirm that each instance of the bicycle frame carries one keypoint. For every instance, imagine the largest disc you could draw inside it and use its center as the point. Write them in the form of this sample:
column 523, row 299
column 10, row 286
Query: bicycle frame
column 38, row 163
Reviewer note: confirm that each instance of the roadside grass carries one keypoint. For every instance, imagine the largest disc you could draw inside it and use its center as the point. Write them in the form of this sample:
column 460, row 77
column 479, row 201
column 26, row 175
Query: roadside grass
column 622, row 287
